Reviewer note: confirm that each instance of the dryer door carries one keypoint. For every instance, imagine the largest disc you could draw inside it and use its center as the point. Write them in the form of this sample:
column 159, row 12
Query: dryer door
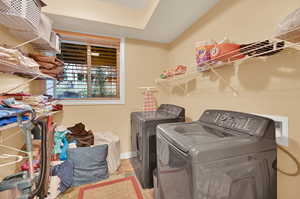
column 174, row 172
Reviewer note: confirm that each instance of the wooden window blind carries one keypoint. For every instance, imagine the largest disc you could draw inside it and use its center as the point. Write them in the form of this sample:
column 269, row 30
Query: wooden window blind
column 91, row 70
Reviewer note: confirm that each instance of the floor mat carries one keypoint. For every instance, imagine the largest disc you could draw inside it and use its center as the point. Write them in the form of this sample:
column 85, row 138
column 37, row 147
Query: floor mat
column 115, row 189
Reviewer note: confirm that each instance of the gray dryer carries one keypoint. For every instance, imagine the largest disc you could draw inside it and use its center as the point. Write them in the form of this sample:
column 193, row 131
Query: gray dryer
column 224, row 155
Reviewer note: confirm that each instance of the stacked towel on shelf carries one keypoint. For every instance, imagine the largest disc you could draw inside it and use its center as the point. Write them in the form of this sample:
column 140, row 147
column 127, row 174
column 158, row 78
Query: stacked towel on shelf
column 50, row 65
column 14, row 56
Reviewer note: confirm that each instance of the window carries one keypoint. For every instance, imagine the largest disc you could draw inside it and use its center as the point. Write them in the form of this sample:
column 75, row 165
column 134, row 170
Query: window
column 93, row 71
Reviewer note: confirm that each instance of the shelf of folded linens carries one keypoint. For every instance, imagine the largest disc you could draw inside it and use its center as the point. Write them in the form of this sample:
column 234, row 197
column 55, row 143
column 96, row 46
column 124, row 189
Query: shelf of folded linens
column 39, row 115
column 23, row 71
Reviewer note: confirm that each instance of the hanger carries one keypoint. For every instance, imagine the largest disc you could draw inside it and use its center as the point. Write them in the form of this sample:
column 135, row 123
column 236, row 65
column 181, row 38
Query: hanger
column 7, row 156
column 147, row 88
column 14, row 149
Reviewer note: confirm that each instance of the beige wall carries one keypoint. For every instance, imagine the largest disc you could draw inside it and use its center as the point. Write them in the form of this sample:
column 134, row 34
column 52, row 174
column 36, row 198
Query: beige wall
column 270, row 86
column 144, row 62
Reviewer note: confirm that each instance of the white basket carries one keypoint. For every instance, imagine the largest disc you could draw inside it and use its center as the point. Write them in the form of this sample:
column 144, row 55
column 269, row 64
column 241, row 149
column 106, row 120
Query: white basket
column 4, row 4
column 44, row 32
column 21, row 14
column 55, row 42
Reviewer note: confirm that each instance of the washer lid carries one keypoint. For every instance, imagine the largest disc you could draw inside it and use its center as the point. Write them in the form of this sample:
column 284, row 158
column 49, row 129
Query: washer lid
column 221, row 133
column 154, row 115
column 164, row 112
column 190, row 135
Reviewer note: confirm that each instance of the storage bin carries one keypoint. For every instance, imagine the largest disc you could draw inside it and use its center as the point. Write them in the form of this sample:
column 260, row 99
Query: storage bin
column 44, row 30
column 20, row 14
column 289, row 28
column 52, row 46
column 4, row 4
column 55, row 42
column 113, row 142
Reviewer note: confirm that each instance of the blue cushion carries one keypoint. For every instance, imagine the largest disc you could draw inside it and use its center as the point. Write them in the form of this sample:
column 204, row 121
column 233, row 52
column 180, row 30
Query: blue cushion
column 90, row 164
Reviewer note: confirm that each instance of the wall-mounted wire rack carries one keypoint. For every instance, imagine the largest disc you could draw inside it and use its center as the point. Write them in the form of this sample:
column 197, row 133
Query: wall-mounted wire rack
column 291, row 39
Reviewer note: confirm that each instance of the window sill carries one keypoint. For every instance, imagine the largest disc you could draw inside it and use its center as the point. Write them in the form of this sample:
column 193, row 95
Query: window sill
column 90, row 102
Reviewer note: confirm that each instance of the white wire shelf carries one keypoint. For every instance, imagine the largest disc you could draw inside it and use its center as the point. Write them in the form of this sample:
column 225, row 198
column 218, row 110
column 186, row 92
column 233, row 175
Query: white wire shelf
column 274, row 45
column 184, row 77
column 23, row 71
column 14, row 125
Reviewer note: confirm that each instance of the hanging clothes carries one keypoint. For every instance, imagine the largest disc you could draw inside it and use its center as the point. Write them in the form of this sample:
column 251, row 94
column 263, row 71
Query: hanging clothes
column 149, row 101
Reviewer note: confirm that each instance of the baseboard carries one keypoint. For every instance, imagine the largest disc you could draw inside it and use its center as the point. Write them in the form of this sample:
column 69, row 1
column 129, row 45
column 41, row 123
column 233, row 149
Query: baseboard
column 127, row 155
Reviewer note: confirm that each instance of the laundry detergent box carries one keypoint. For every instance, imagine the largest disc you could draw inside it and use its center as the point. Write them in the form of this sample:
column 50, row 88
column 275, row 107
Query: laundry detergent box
column 203, row 52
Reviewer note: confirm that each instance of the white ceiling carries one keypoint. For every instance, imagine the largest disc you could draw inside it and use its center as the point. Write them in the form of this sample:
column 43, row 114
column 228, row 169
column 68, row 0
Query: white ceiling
column 170, row 19
column 129, row 3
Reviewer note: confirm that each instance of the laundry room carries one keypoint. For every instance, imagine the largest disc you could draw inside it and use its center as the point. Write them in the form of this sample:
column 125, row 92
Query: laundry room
column 149, row 99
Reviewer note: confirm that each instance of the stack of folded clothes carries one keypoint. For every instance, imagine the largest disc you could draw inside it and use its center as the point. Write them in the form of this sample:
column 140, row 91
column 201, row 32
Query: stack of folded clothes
column 12, row 103
column 9, row 115
column 40, row 103
column 50, row 65
column 14, row 56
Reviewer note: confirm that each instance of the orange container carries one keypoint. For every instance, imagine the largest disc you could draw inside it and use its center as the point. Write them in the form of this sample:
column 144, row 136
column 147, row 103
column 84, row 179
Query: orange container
column 226, row 52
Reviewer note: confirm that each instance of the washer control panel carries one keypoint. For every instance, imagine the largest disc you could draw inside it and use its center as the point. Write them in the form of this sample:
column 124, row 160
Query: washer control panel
column 242, row 122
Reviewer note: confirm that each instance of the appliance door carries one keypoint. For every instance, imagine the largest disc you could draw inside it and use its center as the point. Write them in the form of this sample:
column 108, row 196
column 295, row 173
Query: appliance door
column 244, row 177
column 136, row 137
column 174, row 171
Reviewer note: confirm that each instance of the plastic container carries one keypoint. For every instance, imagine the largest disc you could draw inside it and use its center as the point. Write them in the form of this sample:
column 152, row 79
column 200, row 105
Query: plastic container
column 289, row 28
column 203, row 52
column 113, row 142
column 4, row 4
column 226, row 52
column 291, row 22
column 21, row 15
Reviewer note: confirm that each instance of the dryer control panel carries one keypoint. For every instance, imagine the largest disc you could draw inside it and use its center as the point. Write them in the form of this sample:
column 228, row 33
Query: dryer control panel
column 242, row 122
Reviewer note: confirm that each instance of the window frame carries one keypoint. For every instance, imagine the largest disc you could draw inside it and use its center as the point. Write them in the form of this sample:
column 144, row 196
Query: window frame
column 95, row 101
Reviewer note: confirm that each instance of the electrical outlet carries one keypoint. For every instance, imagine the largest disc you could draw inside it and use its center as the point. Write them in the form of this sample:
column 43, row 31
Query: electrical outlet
column 282, row 128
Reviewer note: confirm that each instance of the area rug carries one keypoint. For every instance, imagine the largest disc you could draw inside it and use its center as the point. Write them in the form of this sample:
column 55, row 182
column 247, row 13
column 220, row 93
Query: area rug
column 124, row 188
